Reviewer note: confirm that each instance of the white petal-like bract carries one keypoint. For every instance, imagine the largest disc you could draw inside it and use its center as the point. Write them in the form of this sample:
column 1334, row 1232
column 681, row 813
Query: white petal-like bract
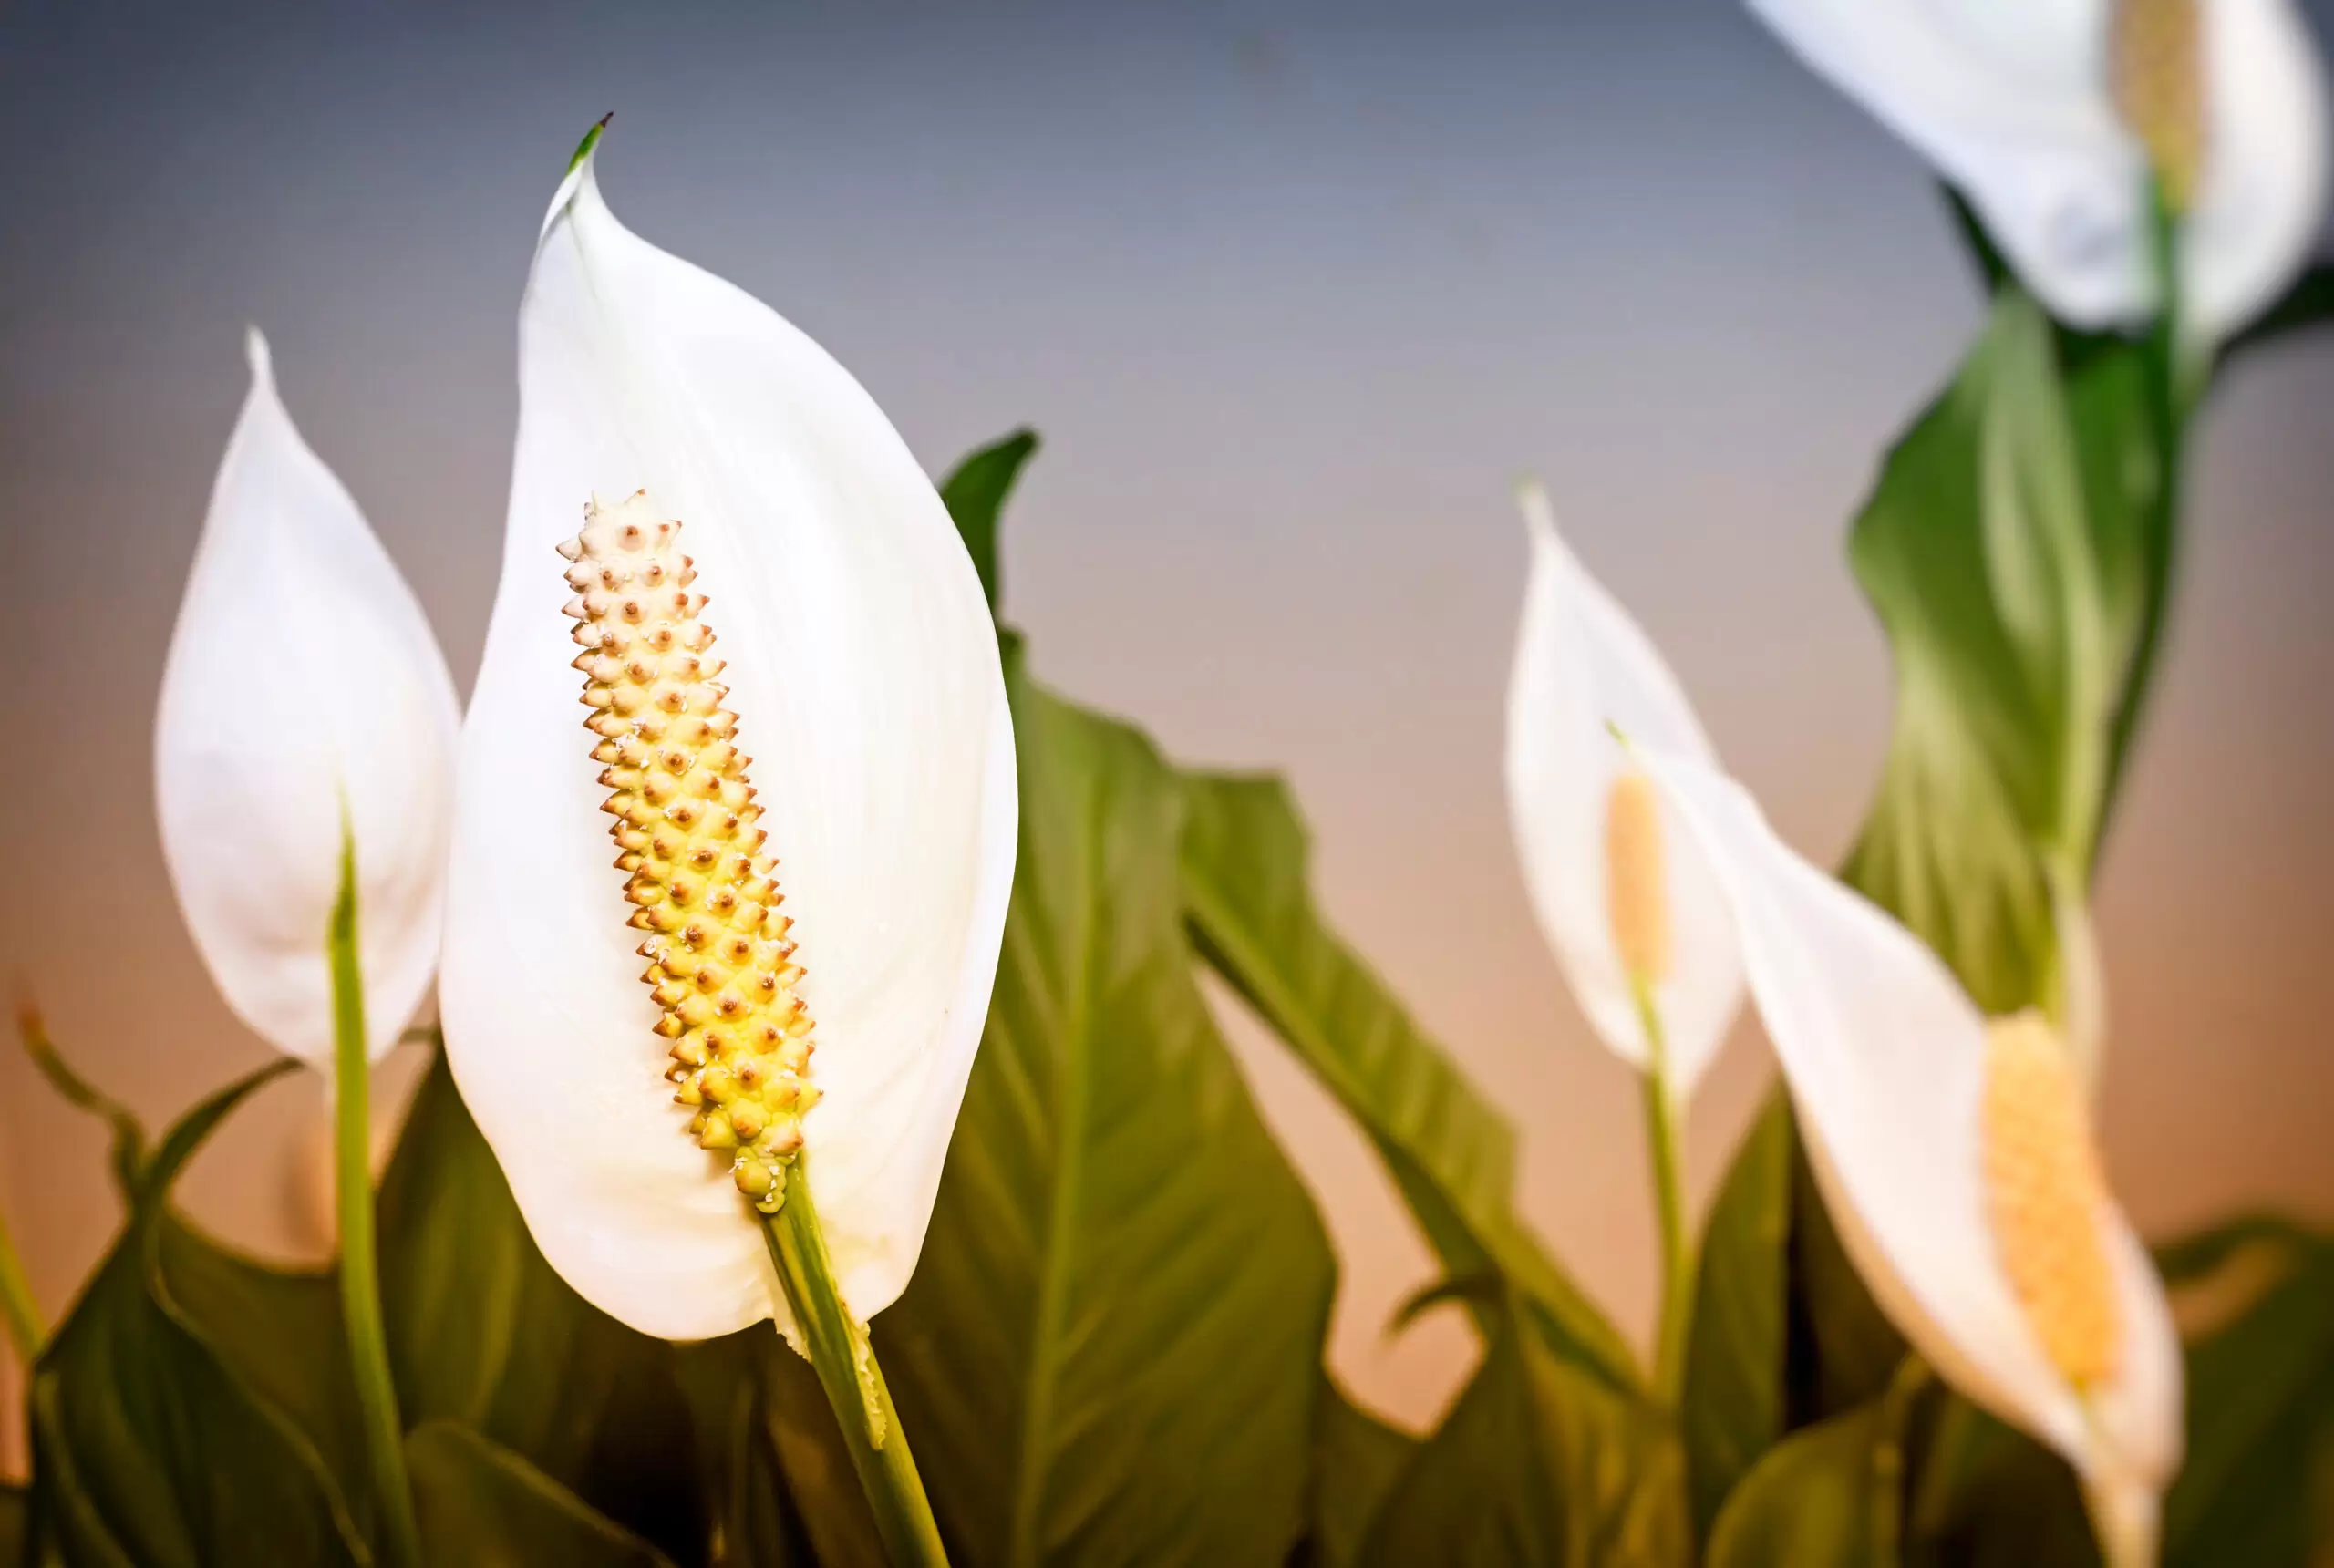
column 1885, row 1056
column 865, row 676
column 2262, row 196
column 302, row 690
column 2013, row 104
column 1582, row 670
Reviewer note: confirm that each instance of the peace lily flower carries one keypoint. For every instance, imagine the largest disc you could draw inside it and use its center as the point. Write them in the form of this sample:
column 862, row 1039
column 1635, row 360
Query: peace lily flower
column 1641, row 932
column 751, row 560
column 304, row 771
column 1955, row 1154
column 1636, row 921
column 2051, row 118
column 303, row 697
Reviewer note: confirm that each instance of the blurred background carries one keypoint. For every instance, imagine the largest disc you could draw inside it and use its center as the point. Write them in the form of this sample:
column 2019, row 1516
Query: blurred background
column 1292, row 292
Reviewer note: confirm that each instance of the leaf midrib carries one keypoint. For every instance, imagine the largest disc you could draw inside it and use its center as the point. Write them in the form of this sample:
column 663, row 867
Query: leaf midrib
column 1053, row 1290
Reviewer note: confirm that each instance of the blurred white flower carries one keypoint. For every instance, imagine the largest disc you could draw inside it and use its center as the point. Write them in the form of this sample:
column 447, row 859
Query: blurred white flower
column 303, row 697
column 2050, row 116
column 1637, row 925
column 1956, row 1157
column 863, row 672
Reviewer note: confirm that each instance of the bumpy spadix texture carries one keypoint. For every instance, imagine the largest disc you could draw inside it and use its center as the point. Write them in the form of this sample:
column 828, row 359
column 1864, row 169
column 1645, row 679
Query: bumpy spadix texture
column 2156, row 71
column 864, row 664
column 1625, row 904
column 1954, row 1159
column 2048, row 115
column 2048, row 1198
column 304, row 693
column 689, row 833
column 1636, row 896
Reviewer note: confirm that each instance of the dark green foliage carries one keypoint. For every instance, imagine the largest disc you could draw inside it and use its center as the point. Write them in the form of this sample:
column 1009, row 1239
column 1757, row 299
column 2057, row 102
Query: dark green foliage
column 1246, row 891
column 1112, row 1349
column 479, row 1503
column 1115, row 1228
column 148, row 1447
column 1357, row 1460
column 1734, row 1407
column 1539, row 1462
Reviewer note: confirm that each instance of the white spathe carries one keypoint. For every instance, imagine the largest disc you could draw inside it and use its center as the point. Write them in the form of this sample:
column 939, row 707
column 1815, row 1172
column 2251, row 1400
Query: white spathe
column 2010, row 99
column 866, row 680
column 1884, row 1055
column 1583, row 669
column 303, row 691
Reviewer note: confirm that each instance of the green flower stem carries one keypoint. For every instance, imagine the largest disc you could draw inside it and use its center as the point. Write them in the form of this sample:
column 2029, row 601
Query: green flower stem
column 845, row 1362
column 360, row 1284
column 1667, row 1150
column 2176, row 371
column 16, row 1302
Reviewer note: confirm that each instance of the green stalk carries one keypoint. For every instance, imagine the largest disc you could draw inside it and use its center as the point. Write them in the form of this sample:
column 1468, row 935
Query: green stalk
column 360, row 1283
column 1668, row 1153
column 845, row 1362
column 2075, row 998
column 2174, row 382
column 16, row 1302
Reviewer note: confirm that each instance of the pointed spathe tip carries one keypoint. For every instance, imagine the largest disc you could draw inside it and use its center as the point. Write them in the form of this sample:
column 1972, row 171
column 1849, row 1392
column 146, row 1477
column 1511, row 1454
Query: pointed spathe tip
column 256, row 355
column 579, row 173
column 584, row 148
column 1539, row 513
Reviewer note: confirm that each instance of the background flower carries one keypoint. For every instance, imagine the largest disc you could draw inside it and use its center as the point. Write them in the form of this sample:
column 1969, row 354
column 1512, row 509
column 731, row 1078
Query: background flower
column 303, row 697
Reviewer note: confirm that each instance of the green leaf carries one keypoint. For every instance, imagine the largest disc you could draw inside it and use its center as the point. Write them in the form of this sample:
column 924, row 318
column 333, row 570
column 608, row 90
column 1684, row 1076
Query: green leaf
column 2258, row 1485
column 1734, row 1404
column 1542, row 1462
column 481, row 1505
column 975, row 494
column 1357, row 1461
column 779, row 1479
column 1843, row 1348
column 2011, row 595
column 2017, row 550
column 1452, row 1155
column 1988, row 1496
column 799, row 1426
column 279, row 1331
column 2195, row 1260
column 1825, row 1498
column 163, row 1455
column 743, row 1485
column 1109, row 1351
column 65, row 1524
column 480, row 1330
column 128, row 1148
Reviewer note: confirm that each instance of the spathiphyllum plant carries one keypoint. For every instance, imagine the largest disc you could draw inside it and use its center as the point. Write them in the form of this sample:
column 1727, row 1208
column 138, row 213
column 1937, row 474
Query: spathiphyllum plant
column 1628, row 907
column 717, row 544
column 1954, row 1154
column 830, row 1154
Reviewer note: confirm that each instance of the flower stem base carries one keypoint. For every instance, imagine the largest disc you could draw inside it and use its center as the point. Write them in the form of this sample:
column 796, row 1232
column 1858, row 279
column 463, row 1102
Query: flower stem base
column 360, row 1284
column 839, row 1350
column 1668, row 1159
